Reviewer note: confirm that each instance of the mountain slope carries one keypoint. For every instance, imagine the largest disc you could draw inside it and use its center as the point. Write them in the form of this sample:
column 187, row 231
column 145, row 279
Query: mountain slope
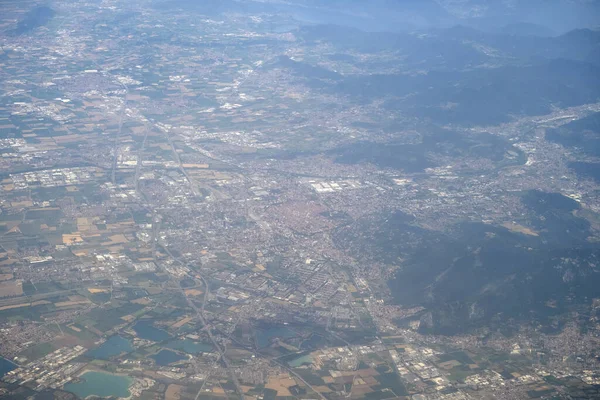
column 481, row 274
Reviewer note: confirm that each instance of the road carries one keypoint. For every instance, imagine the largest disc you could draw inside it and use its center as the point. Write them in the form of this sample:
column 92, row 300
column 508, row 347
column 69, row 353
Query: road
column 138, row 166
column 178, row 159
column 283, row 366
column 201, row 315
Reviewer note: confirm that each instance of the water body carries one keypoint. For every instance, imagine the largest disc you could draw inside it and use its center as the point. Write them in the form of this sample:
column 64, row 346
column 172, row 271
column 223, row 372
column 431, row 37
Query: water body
column 146, row 330
column 6, row 366
column 298, row 362
column 190, row 347
column 112, row 347
column 264, row 336
column 166, row 357
column 100, row 384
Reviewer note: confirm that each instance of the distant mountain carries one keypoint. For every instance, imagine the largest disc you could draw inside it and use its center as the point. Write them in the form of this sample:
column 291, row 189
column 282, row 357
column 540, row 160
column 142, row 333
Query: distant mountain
column 403, row 15
column 526, row 29
column 376, row 15
column 521, row 17
column 466, row 76
column 557, row 15
column 582, row 134
column 213, row 7
column 435, row 45
column 482, row 96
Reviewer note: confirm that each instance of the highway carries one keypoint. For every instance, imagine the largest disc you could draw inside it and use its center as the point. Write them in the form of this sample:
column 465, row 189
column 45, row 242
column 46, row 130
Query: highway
column 201, row 315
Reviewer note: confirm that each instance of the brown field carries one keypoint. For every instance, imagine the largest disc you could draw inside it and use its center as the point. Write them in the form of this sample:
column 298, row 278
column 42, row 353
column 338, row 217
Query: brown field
column 367, row 372
column 369, row 380
column 72, row 238
column 246, row 388
column 511, row 226
column 73, row 301
column 360, row 391
column 181, row 322
column 35, row 303
column 98, row 290
column 449, row 364
column 83, row 224
column 193, row 292
column 115, row 249
column 24, row 203
column 14, row 229
column 11, row 288
column 6, row 277
column 173, row 392
column 281, row 384
column 117, row 239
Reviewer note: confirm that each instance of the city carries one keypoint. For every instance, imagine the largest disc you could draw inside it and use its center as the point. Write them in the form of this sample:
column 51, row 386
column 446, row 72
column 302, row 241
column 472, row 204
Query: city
column 199, row 207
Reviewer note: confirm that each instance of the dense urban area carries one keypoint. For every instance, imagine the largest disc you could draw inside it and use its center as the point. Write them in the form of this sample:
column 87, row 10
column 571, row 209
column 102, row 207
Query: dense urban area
column 235, row 205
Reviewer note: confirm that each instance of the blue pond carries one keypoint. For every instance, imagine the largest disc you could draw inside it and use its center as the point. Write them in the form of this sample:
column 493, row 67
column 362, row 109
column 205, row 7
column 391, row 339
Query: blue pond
column 100, row 384
column 189, row 346
column 298, row 362
column 146, row 330
column 6, row 366
column 112, row 347
column 166, row 357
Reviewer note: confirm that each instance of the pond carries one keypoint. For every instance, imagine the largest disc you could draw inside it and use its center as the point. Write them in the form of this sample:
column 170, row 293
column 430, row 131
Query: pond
column 146, row 330
column 100, row 384
column 166, row 357
column 298, row 362
column 6, row 366
column 112, row 347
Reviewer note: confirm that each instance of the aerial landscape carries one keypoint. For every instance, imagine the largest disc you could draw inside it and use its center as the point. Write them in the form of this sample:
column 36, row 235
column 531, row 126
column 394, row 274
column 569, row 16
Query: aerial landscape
column 299, row 199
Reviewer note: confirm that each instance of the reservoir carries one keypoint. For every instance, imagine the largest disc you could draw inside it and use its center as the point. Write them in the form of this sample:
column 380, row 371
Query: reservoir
column 6, row 366
column 100, row 384
column 298, row 362
column 146, row 330
column 112, row 347
column 166, row 357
